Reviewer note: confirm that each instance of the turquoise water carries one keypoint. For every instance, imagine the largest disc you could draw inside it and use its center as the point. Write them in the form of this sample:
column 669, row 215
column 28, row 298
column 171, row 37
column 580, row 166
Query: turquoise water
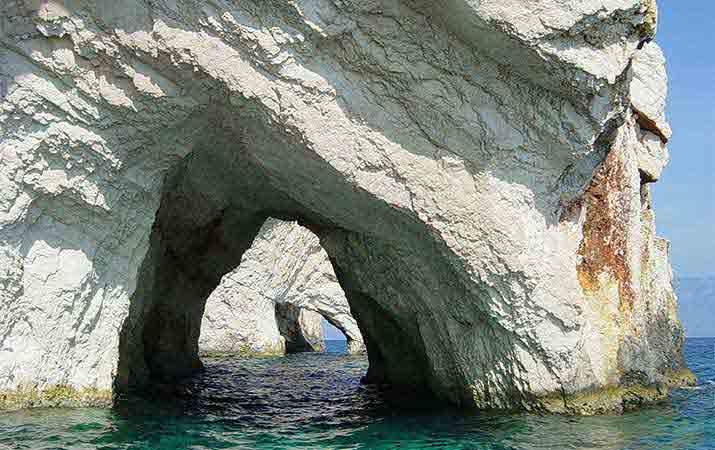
column 316, row 401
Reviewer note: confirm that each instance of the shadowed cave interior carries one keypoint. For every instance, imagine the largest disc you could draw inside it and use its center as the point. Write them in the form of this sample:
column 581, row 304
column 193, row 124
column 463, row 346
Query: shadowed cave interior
column 214, row 202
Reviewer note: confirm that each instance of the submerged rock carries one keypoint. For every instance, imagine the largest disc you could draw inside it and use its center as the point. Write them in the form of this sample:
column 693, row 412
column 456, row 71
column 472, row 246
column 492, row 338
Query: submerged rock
column 285, row 266
column 474, row 171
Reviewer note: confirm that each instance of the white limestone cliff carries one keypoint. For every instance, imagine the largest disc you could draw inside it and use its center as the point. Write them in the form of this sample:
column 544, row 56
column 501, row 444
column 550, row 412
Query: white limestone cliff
column 474, row 170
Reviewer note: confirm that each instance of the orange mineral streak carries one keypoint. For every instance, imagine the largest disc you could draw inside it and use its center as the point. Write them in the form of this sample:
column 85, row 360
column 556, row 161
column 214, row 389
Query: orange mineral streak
column 605, row 232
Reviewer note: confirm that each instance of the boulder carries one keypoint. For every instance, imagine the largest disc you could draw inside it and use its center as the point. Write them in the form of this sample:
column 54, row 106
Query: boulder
column 649, row 90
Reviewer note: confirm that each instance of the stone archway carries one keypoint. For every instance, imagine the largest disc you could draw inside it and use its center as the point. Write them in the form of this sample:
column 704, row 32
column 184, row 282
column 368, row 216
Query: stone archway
column 302, row 329
column 213, row 206
column 450, row 180
column 285, row 266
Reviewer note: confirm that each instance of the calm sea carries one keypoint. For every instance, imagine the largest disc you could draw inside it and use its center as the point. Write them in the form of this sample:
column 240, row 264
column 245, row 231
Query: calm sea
column 316, row 401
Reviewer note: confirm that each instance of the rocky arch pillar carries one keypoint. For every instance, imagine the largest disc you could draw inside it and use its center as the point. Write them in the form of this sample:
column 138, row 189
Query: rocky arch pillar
column 301, row 328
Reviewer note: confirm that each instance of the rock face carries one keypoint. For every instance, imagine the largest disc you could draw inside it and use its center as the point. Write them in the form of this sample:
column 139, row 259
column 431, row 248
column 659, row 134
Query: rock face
column 474, row 170
column 237, row 324
column 284, row 266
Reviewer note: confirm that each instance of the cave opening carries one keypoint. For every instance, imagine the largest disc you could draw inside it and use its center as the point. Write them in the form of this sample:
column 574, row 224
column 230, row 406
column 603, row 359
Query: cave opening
column 277, row 299
column 301, row 328
column 214, row 204
column 333, row 333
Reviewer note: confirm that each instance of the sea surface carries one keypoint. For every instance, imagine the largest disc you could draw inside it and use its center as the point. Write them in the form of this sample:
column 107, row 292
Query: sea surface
column 315, row 401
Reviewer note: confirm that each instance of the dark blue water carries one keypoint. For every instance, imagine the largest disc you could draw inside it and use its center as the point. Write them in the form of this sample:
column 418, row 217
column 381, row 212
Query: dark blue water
column 316, row 401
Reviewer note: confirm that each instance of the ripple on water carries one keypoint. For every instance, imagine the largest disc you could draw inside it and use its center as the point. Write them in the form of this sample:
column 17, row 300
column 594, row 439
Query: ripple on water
column 316, row 401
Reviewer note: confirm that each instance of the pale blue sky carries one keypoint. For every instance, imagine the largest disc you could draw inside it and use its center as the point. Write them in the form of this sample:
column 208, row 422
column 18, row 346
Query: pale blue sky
column 332, row 333
column 685, row 195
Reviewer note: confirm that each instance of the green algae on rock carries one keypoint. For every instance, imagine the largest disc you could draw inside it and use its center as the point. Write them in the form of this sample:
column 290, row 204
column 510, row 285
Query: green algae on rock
column 246, row 350
column 607, row 400
column 31, row 396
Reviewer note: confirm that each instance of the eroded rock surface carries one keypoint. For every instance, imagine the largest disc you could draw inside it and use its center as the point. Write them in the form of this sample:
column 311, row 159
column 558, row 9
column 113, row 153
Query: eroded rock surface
column 474, row 170
column 236, row 321
column 285, row 265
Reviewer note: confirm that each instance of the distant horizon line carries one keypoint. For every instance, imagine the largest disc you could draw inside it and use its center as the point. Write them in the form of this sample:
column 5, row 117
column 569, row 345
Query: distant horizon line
column 694, row 275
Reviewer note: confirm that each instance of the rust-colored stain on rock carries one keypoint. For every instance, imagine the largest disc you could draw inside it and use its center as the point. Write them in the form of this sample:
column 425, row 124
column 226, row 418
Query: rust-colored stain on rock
column 605, row 234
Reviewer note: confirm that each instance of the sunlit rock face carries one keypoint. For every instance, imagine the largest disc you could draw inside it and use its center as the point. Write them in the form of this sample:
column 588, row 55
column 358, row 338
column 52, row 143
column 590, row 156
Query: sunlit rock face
column 237, row 324
column 474, row 171
column 284, row 266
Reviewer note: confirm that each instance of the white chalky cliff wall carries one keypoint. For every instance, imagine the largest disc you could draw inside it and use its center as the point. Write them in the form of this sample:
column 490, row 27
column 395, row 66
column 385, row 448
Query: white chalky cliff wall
column 477, row 173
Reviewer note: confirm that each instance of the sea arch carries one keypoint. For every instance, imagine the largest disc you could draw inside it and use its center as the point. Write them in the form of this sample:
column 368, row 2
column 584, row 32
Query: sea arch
column 450, row 180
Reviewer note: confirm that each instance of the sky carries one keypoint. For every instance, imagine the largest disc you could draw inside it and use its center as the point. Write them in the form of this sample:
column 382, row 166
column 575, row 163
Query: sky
column 684, row 197
column 332, row 333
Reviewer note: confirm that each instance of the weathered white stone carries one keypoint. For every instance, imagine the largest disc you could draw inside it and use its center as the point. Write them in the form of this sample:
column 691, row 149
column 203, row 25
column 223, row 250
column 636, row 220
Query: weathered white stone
column 285, row 264
column 563, row 45
column 238, row 320
column 652, row 154
column 453, row 157
column 649, row 89
column 648, row 93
